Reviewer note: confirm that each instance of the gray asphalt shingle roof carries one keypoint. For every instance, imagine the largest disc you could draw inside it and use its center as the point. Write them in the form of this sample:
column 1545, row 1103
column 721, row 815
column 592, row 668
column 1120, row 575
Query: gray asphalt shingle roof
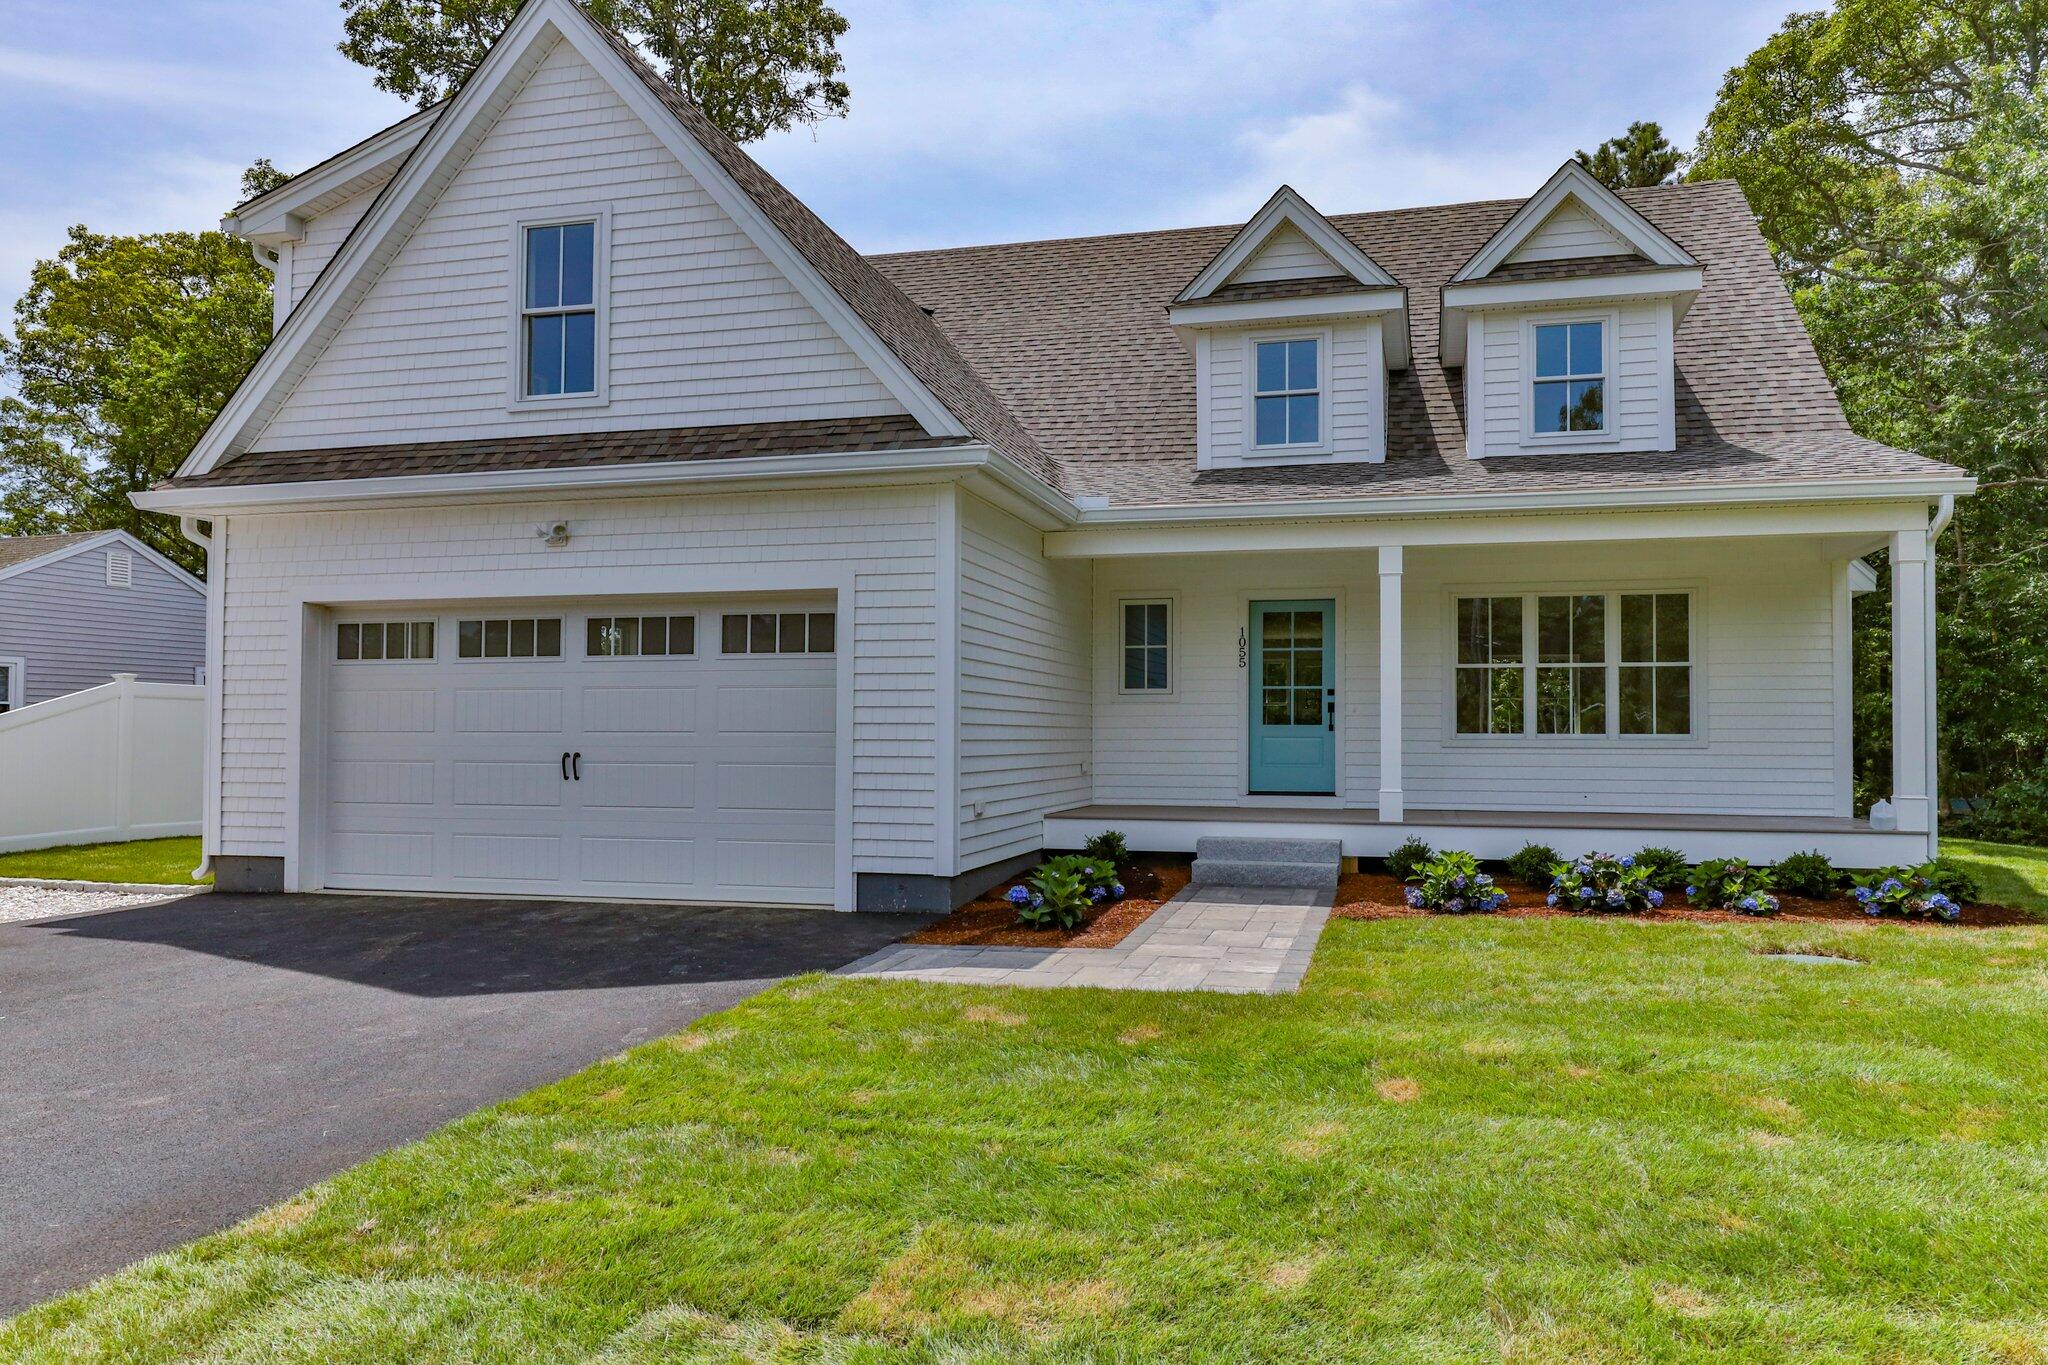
column 16, row 550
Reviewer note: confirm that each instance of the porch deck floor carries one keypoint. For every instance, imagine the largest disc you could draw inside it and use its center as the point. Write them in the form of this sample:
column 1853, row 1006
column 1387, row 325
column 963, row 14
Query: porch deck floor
column 1482, row 819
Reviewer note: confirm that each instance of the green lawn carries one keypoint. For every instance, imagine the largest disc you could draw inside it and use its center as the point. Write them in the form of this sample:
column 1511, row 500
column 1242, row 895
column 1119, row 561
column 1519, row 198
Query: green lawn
column 2011, row 874
column 1467, row 1139
column 165, row 861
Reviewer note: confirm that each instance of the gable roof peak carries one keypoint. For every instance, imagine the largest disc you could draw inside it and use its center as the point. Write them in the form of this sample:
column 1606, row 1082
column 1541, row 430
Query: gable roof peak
column 1286, row 208
column 1573, row 183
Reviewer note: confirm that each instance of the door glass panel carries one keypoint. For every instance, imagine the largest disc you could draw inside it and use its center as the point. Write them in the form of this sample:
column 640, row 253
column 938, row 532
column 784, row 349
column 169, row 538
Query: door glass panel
column 1276, row 629
column 1275, row 669
column 1308, row 668
column 1308, row 706
column 1308, row 629
column 1275, row 709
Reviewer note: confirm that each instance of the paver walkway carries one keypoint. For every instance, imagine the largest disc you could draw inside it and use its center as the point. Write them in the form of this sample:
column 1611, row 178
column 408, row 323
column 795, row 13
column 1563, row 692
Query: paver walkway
column 1241, row 939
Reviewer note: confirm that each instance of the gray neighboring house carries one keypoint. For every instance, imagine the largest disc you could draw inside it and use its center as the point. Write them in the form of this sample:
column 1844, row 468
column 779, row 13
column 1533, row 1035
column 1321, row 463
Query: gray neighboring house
column 76, row 609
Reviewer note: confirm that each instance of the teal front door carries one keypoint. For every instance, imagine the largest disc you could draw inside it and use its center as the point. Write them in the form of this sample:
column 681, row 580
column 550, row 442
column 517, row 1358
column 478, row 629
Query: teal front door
column 1293, row 699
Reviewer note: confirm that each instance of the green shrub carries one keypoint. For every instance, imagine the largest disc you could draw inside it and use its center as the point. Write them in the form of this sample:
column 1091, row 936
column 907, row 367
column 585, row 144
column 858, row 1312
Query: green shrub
column 1062, row 891
column 1108, row 847
column 2015, row 813
column 1906, row 892
column 1952, row 879
column 1534, row 866
column 1664, row 867
column 1807, row 874
column 1605, row 883
column 1732, row 884
column 1452, row 884
column 1405, row 861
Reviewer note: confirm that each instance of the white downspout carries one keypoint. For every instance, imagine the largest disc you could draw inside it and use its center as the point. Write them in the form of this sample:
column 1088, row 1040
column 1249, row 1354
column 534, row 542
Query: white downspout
column 1945, row 512
column 209, row 816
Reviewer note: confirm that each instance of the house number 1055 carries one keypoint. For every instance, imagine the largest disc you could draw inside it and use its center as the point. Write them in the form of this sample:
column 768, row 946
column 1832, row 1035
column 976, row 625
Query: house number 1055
column 1242, row 646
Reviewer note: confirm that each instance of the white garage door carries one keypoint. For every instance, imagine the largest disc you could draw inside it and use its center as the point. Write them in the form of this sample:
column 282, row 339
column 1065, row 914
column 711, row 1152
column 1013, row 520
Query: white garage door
column 669, row 752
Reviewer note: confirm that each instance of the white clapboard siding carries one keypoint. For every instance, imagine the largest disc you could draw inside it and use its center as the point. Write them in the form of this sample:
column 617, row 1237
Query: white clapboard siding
column 887, row 536
column 702, row 328
column 324, row 236
column 1286, row 255
column 1638, row 393
column 1764, row 650
column 1355, row 392
column 1024, row 685
column 1567, row 233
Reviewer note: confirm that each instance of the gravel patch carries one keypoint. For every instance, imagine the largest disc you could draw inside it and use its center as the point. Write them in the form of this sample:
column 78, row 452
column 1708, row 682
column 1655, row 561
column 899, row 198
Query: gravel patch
column 19, row 904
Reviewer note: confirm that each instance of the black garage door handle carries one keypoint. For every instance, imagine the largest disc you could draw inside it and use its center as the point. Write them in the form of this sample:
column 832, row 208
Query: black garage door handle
column 565, row 765
column 576, row 764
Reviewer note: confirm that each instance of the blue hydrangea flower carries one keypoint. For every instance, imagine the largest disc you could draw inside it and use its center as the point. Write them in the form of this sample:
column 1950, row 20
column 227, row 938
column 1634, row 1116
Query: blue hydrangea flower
column 1551, row 900
column 1656, row 898
column 1117, row 891
column 1455, row 905
column 1890, row 885
column 1036, row 900
column 1629, row 860
column 1691, row 891
column 1414, row 898
column 1458, row 882
column 1747, row 903
column 1098, row 894
column 1018, row 895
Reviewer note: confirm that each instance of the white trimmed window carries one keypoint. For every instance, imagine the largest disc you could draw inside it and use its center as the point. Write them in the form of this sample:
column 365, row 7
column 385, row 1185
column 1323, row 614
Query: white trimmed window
column 383, row 641
column 1287, row 398
column 1603, row 664
column 519, row 637
column 778, row 632
column 1568, row 394
column 13, row 683
column 558, row 310
column 1147, row 647
column 634, row 637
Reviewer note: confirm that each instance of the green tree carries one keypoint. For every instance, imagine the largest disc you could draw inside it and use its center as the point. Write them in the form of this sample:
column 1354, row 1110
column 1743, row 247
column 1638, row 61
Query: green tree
column 1896, row 154
column 261, row 178
column 1638, row 157
column 123, row 349
column 752, row 66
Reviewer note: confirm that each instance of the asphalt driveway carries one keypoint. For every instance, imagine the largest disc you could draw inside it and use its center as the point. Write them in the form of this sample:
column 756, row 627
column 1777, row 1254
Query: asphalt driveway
column 168, row 1070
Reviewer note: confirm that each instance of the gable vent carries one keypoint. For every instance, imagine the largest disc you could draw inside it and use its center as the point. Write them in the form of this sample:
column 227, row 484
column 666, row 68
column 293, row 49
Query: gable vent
column 120, row 569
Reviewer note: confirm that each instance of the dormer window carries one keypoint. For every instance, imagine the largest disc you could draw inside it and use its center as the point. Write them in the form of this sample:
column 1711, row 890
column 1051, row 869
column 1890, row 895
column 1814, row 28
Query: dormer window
column 1288, row 403
column 1570, row 383
column 558, row 313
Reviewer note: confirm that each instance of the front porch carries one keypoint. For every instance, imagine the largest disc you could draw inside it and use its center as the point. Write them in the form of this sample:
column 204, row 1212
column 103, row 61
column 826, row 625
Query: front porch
column 1497, row 834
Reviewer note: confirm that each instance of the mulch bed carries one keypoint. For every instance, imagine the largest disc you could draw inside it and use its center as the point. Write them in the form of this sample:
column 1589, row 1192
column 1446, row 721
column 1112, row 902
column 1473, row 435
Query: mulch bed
column 1377, row 895
column 1150, row 881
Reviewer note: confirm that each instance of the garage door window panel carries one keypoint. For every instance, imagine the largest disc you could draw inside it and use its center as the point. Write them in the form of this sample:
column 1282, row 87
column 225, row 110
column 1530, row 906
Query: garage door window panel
column 384, row 641
column 786, row 632
column 640, row 637
column 519, row 637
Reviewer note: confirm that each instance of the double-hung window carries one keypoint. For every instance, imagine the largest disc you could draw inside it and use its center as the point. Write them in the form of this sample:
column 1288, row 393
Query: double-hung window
column 1570, row 384
column 1287, row 403
column 558, row 311
column 1146, row 647
column 1602, row 663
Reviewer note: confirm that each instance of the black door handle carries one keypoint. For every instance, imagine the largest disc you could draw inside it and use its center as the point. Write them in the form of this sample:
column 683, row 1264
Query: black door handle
column 1330, row 700
column 576, row 764
column 565, row 765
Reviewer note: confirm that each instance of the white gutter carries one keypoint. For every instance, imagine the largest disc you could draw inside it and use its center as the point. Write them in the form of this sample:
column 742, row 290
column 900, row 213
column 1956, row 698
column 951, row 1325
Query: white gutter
column 1573, row 500
column 648, row 477
column 209, row 812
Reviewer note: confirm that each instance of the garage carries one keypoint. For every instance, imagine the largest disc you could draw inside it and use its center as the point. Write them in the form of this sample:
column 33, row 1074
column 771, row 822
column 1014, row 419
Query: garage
column 664, row 751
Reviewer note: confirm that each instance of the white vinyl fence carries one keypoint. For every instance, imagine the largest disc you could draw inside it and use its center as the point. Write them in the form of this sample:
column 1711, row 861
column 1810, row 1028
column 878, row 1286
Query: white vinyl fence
column 121, row 761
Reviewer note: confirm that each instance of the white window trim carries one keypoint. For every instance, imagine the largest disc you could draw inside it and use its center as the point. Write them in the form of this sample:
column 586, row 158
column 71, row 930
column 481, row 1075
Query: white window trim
column 696, row 635
column 453, row 626
column 1610, row 330
column 1172, row 604
column 518, row 400
column 334, row 639
column 1529, row 740
column 839, row 643
column 1325, row 357
column 17, row 681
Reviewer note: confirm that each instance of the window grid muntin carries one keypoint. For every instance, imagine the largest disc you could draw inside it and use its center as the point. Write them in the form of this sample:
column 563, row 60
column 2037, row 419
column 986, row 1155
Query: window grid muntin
column 778, row 632
column 552, row 312
column 1603, row 696
column 1148, row 660
column 494, row 638
column 374, row 641
column 663, row 636
column 1583, row 370
column 1295, row 391
column 1665, row 668
column 1293, row 687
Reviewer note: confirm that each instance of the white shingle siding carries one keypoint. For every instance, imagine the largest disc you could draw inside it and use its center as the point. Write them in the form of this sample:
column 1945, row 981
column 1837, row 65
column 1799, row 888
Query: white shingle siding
column 324, row 236
column 1567, row 233
column 887, row 536
column 1286, row 255
column 1024, row 711
column 1639, row 390
column 1354, row 395
column 1764, row 653
column 703, row 329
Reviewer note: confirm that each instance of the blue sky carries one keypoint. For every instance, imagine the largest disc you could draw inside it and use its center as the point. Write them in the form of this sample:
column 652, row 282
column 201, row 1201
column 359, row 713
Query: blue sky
column 972, row 120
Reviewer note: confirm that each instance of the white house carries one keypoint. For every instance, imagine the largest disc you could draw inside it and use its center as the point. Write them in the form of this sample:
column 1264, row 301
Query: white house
column 599, row 523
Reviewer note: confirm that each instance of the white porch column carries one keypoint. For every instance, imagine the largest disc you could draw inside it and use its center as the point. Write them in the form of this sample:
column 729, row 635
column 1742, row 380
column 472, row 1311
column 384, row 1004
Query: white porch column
column 1390, row 684
column 1912, row 692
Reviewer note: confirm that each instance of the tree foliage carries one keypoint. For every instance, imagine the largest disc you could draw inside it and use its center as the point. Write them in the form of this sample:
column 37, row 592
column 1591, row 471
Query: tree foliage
column 1638, row 157
column 753, row 66
column 123, row 350
column 1896, row 154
